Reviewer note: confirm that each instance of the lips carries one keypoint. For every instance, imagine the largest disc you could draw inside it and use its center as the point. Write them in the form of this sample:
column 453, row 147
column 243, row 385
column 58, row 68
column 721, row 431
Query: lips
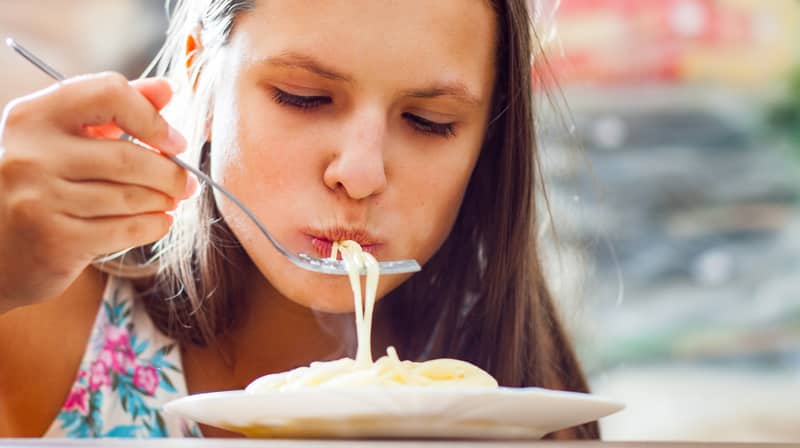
column 322, row 240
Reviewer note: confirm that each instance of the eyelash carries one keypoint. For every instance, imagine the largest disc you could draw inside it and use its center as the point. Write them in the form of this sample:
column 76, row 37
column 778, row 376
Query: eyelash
column 306, row 103
column 430, row 127
column 300, row 102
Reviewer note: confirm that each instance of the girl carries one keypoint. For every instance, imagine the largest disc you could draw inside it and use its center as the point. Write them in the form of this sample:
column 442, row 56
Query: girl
column 405, row 126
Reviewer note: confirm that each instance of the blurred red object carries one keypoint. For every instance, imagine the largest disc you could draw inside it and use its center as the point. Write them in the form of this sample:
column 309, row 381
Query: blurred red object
column 645, row 41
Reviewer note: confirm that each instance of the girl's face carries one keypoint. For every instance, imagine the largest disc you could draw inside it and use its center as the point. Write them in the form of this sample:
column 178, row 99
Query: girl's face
column 350, row 119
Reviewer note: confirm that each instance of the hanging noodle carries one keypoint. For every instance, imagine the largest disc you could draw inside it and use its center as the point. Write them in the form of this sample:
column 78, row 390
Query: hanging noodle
column 388, row 370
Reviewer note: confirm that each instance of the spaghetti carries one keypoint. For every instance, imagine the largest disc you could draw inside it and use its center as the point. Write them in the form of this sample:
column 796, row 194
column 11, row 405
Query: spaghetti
column 388, row 370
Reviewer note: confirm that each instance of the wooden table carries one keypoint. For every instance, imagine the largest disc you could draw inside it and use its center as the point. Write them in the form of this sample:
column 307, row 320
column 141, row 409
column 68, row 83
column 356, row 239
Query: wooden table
column 239, row 443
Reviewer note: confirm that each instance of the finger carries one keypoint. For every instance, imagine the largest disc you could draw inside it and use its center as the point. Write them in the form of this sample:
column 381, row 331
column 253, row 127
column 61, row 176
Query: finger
column 122, row 162
column 107, row 199
column 109, row 98
column 119, row 233
column 109, row 131
column 158, row 91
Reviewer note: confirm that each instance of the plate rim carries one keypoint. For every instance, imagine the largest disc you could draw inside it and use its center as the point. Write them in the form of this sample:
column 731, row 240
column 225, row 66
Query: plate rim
column 418, row 390
column 179, row 405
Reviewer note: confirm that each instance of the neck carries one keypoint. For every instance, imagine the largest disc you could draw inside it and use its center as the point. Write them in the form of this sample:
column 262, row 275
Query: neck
column 278, row 334
column 275, row 335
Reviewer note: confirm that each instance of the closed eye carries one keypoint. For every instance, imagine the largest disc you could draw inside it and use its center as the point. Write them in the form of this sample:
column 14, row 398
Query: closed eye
column 299, row 101
column 419, row 124
column 430, row 127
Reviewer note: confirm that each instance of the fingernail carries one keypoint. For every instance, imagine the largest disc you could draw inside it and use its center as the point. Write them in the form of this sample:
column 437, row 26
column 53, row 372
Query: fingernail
column 176, row 140
column 191, row 185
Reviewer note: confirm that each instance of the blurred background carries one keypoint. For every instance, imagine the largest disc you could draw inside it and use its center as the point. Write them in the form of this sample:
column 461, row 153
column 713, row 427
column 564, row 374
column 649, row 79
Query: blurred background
column 678, row 216
column 670, row 139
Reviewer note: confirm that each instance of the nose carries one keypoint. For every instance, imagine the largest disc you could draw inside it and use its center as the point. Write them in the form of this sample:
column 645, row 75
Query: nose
column 358, row 165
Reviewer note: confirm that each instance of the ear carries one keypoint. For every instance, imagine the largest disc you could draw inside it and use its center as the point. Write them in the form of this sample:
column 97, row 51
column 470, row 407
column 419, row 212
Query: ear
column 192, row 49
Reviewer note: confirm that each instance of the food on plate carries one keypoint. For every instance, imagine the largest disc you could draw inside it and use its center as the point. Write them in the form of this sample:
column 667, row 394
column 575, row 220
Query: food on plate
column 388, row 370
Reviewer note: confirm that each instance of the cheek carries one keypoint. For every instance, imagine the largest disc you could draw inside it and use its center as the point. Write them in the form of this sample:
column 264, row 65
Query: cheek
column 275, row 170
column 267, row 165
column 433, row 193
column 261, row 150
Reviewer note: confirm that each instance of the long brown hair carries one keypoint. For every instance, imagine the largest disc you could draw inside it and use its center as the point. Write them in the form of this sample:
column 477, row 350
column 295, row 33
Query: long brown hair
column 482, row 297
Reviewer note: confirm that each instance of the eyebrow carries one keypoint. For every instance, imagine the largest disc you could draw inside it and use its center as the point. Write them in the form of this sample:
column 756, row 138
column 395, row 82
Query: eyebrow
column 457, row 90
column 297, row 60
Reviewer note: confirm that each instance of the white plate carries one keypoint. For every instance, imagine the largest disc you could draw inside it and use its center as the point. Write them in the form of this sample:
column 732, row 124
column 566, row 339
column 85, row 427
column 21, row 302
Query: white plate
column 402, row 412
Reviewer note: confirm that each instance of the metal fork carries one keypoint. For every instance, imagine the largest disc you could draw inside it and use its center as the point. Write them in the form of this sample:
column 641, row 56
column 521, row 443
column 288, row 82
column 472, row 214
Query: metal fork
column 322, row 265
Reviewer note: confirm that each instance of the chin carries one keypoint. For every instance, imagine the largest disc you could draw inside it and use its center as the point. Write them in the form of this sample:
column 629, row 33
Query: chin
column 333, row 294
column 323, row 295
column 319, row 292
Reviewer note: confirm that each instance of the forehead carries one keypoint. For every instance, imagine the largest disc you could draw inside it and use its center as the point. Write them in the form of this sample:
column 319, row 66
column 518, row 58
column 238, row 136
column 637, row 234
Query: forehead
column 400, row 40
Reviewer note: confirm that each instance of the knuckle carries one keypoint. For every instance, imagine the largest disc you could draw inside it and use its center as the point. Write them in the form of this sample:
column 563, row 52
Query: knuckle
column 16, row 113
column 129, row 198
column 78, row 164
column 18, row 170
column 114, row 80
column 147, row 228
column 123, row 159
column 111, row 85
column 133, row 229
column 26, row 211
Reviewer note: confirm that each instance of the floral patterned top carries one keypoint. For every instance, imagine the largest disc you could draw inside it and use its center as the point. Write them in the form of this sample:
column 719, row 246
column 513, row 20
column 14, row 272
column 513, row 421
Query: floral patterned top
column 129, row 370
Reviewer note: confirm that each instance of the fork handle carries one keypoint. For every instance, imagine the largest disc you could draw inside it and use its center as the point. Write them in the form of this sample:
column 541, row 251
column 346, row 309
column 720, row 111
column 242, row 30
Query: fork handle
column 207, row 179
